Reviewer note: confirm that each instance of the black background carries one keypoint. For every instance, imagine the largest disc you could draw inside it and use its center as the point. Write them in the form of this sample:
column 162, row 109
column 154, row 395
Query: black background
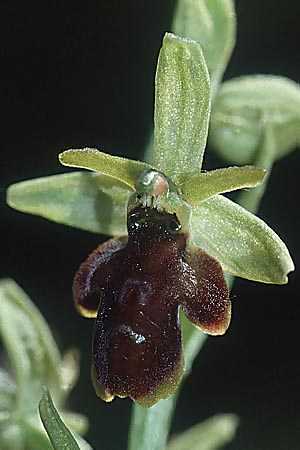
column 78, row 74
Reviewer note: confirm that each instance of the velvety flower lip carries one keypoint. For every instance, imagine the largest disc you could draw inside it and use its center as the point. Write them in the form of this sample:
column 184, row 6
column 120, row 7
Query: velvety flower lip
column 137, row 285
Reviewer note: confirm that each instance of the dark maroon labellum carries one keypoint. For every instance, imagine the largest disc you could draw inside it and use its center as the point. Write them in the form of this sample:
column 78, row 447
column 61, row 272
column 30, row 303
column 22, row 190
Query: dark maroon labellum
column 137, row 287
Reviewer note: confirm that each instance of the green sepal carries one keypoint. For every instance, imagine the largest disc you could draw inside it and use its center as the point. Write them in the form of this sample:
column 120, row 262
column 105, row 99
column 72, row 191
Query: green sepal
column 201, row 186
column 212, row 434
column 89, row 201
column 32, row 352
column 57, row 431
column 242, row 243
column 182, row 107
column 245, row 107
column 125, row 170
column 213, row 24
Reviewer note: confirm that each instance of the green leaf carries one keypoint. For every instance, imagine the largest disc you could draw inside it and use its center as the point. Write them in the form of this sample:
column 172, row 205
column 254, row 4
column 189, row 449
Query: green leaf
column 213, row 24
column 7, row 395
column 32, row 352
column 212, row 434
column 89, row 201
column 57, row 431
column 182, row 107
column 201, row 186
column 245, row 107
column 243, row 244
column 125, row 170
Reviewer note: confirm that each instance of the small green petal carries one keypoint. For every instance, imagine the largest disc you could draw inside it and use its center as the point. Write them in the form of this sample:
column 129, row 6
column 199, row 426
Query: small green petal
column 213, row 434
column 89, row 201
column 245, row 106
column 32, row 352
column 58, row 433
column 182, row 107
column 123, row 169
column 242, row 243
column 213, row 24
column 201, row 186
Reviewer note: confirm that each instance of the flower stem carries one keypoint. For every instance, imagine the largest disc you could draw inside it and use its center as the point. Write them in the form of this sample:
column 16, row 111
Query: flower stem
column 250, row 199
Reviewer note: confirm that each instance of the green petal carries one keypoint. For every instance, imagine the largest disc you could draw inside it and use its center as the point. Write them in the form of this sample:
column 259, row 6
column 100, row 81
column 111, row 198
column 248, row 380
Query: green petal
column 213, row 24
column 32, row 352
column 123, row 169
column 89, row 201
column 245, row 106
column 243, row 244
column 182, row 107
column 213, row 434
column 201, row 186
column 58, row 433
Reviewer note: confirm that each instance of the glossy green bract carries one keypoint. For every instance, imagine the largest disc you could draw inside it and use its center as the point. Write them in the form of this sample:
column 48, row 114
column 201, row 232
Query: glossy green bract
column 212, row 23
column 89, row 201
column 243, row 244
column 213, row 434
column 245, row 106
column 182, row 107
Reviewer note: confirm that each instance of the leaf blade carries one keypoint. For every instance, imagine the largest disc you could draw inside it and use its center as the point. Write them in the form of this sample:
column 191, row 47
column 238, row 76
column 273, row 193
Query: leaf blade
column 57, row 431
column 243, row 244
column 88, row 201
column 182, row 107
column 32, row 351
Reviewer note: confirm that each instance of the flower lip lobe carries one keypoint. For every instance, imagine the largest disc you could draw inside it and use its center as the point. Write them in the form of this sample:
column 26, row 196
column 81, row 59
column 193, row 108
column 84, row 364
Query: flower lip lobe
column 137, row 343
column 138, row 286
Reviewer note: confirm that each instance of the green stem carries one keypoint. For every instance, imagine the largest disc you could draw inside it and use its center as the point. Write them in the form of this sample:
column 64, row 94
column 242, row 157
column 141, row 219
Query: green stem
column 265, row 159
column 145, row 433
column 150, row 427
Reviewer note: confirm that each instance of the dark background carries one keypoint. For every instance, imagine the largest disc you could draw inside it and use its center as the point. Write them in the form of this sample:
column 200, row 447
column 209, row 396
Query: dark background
column 80, row 74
